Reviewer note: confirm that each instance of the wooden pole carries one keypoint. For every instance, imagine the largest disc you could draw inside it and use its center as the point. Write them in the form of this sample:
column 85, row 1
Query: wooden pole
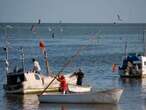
column 47, row 63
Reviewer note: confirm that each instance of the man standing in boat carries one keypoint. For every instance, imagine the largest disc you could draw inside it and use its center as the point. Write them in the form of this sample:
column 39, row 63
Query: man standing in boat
column 63, row 84
column 36, row 66
column 79, row 76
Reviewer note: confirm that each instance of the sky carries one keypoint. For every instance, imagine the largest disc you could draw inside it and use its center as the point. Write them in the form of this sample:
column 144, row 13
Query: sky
column 73, row 11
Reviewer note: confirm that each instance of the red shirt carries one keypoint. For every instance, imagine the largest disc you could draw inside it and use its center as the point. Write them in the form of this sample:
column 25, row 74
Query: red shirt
column 63, row 85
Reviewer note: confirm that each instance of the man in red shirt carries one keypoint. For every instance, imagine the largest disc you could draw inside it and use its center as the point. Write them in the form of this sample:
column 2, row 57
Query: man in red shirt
column 63, row 84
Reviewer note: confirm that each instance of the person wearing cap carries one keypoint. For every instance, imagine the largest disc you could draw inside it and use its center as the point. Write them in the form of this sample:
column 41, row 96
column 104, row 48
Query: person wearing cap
column 63, row 84
column 36, row 66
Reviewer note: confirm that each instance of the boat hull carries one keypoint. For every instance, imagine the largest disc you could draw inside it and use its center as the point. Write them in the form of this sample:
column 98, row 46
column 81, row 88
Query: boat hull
column 123, row 74
column 35, row 83
column 109, row 96
column 133, row 67
column 133, row 76
column 31, row 90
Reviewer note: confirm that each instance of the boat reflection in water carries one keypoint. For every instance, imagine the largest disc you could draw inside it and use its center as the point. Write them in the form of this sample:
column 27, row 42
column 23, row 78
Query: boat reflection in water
column 132, row 81
column 31, row 102
column 79, row 106
column 21, row 102
column 134, row 95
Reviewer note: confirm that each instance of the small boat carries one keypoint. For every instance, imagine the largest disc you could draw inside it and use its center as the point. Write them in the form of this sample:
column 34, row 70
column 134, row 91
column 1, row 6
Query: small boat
column 78, row 89
column 111, row 96
column 133, row 67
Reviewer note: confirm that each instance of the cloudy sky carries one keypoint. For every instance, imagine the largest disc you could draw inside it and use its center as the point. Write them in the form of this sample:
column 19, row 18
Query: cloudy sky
column 73, row 11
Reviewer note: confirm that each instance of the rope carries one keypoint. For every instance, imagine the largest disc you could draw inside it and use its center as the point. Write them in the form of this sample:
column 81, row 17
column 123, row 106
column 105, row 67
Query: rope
column 69, row 61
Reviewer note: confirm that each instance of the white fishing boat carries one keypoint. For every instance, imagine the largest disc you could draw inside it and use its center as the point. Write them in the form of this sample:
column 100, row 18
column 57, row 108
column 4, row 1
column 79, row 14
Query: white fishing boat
column 30, row 82
column 111, row 96
column 76, row 88
column 22, row 81
column 19, row 80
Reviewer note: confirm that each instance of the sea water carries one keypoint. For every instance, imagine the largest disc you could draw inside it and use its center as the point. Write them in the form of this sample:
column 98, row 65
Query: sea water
column 94, row 48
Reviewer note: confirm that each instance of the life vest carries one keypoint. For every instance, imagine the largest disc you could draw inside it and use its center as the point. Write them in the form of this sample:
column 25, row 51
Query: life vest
column 114, row 67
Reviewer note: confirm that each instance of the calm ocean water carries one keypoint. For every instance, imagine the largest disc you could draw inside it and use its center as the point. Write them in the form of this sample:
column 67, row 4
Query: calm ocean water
column 103, row 45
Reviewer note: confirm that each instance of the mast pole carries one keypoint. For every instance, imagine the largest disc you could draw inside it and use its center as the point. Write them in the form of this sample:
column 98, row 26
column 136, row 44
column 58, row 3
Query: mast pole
column 125, row 49
column 43, row 49
column 6, row 50
column 7, row 47
column 22, row 59
column 144, row 41
column 48, row 70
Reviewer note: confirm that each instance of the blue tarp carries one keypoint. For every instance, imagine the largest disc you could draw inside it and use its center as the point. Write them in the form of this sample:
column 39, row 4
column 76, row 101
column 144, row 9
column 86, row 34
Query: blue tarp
column 132, row 58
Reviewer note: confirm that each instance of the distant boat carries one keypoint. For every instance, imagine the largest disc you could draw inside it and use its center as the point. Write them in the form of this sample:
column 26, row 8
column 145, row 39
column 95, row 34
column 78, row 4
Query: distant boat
column 111, row 96
column 132, row 66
